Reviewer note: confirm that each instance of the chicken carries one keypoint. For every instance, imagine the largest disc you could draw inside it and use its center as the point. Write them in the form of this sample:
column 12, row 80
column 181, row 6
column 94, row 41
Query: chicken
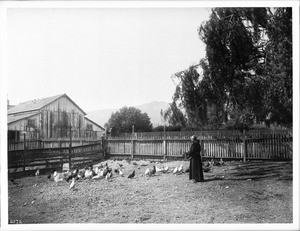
column 88, row 174
column 101, row 173
column 180, row 169
column 206, row 164
column 105, row 171
column 108, row 176
column 97, row 177
column 217, row 163
column 222, row 162
column 58, row 177
column 109, row 169
column 80, row 174
column 70, row 175
column 37, row 173
column 147, row 172
column 72, row 185
column 153, row 171
column 175, row 170
column 159, row 169
column 166, row 169
column 206, row 169
column 121, row 173
column 132, row 175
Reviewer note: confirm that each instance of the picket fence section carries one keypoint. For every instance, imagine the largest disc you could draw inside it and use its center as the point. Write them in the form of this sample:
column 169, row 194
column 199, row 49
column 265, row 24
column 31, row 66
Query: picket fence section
column 256, row 144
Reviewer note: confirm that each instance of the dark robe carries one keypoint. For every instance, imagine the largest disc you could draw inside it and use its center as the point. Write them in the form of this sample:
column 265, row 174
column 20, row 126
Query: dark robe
column 196, row 171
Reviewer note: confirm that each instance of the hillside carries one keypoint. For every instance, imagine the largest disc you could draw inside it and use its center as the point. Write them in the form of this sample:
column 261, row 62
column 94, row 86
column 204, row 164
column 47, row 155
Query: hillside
column 152, row 109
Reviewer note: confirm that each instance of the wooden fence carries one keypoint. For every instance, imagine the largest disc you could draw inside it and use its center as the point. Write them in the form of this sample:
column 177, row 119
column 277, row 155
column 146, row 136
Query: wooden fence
column 274, row 145
column 54, row 158
column 256, row 144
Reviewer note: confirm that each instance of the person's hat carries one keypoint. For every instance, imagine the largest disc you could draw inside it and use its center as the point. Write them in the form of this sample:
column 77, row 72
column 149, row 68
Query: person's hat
column 193, row 137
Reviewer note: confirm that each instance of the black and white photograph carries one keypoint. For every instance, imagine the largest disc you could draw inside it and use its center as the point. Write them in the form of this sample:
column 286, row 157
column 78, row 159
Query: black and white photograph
column 149, row 115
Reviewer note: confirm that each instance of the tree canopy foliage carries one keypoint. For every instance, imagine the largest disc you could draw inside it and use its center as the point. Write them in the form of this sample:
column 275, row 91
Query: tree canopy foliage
column 246, row 76
column 128, row 119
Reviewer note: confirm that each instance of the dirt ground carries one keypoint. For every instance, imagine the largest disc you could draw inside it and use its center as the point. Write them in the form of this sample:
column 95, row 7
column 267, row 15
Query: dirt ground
column 250, row 192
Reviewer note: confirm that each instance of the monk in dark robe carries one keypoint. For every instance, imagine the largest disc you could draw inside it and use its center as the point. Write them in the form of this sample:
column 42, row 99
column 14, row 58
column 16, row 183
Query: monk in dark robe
column 196, row 171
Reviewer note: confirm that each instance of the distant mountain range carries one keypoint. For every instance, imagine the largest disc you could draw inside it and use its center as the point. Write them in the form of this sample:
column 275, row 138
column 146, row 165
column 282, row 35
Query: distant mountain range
column 152, row 109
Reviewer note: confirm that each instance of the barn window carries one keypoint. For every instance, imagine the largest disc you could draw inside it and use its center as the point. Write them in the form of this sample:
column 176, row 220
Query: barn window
column 89, row 127
column 31, row 123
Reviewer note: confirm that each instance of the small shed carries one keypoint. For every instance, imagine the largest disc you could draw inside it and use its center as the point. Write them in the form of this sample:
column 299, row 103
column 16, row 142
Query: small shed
column 92, row 128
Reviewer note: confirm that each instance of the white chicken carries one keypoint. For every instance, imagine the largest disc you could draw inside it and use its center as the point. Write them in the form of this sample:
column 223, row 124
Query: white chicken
column 159, row 169
column 166, row 169
column 97, row 177
column 121, row 173
column 37, row 173
column 96, row 170
column 175, row 170
column 58, row 177
column 180, row 168
column 72, row 185
column 88, row 174
column 101, row 172
column 147, row 172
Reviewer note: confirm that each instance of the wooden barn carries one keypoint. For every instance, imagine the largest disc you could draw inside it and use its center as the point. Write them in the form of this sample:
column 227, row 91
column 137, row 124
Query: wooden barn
column 51, row 118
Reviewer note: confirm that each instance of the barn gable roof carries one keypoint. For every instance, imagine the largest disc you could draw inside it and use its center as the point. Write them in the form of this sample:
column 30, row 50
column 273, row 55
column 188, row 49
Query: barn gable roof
column 94, row 123
column 38, row 104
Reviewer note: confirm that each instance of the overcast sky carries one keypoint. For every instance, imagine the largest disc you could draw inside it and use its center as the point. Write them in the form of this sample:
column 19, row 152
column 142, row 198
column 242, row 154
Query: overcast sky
column 101, row 58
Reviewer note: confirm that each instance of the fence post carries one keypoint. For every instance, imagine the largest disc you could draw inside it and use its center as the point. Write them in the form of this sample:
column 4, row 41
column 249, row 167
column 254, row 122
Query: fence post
column 132, row 148
column 244, row 146
column 70, row 149
column 164, row 149
column 103, row 146
column 24, row 154
column 46, row 160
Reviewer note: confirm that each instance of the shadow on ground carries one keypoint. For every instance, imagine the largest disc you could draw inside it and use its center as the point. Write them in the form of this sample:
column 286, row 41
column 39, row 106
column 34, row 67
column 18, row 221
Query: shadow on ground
column 261, row 170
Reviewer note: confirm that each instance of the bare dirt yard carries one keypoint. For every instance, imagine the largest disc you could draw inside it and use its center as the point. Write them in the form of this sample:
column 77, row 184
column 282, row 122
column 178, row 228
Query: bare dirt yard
column 250, row 192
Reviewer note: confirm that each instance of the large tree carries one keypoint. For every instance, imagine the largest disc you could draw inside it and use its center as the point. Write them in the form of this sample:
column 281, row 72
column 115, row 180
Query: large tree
column 278, row 67
column 174, row 116
column 126, row 118
column 247, row 72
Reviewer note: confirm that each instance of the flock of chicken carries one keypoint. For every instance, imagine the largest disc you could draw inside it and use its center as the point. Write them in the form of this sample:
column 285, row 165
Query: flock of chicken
column 105, row 172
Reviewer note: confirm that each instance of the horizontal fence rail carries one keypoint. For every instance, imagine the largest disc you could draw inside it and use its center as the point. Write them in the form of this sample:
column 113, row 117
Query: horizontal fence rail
column 40, row 144
column 256, row 144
